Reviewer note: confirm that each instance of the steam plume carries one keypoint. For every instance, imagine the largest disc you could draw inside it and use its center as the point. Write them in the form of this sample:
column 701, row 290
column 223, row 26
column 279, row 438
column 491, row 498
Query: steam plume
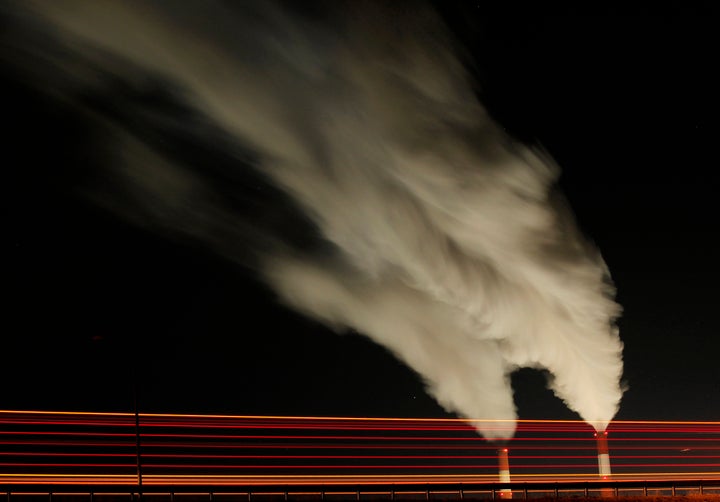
column 442, row 238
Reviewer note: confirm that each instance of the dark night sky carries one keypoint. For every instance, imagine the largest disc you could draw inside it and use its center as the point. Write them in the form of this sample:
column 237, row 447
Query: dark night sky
column 623, row 105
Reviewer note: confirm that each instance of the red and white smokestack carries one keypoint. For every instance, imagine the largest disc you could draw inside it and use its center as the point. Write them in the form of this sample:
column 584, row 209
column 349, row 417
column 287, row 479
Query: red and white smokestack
column 504, row 472
column 603, row 455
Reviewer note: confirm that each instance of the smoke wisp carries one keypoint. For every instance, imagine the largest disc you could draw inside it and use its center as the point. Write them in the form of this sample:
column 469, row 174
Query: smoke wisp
column 440, row 237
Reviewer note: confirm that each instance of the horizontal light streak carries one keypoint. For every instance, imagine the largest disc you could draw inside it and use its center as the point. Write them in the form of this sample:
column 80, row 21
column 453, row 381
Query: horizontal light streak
column 682, row 450
column 355, row 419
column 271, row 426
column 305, row 419
column 292, row 481
column 64, row 433
column 345, row 457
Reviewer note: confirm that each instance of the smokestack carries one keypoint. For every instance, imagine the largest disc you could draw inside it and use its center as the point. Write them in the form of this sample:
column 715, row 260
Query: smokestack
column 603, row 455
column 504, row 472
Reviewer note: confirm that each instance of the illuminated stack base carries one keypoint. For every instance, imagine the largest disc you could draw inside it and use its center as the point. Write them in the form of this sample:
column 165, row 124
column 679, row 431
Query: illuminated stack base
column 504, row 472
column 603, row 455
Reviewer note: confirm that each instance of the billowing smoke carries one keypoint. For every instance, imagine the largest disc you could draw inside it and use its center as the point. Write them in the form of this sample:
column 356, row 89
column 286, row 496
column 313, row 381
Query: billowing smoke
column 439, row 236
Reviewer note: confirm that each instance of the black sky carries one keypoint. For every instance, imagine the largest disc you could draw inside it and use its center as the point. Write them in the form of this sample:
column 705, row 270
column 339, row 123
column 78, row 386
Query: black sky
column 94, row 303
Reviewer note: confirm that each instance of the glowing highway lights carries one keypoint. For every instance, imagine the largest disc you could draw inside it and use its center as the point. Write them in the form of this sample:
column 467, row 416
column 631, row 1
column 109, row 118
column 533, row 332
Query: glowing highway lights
column 67, row 448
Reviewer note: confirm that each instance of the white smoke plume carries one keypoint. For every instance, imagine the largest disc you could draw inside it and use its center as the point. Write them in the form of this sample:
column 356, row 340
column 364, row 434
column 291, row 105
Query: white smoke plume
column 450, row 245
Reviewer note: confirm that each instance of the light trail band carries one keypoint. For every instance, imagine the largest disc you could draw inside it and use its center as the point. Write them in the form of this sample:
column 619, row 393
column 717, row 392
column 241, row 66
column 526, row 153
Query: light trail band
column 603, row 455
column 84, row 447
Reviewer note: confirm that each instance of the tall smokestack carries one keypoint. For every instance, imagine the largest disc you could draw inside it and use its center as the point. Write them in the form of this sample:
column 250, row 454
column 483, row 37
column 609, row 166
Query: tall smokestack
column 603, row 455
column 504, row 472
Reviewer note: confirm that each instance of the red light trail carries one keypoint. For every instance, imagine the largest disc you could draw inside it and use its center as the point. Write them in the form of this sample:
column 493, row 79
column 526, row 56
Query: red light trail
column 81, row 447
